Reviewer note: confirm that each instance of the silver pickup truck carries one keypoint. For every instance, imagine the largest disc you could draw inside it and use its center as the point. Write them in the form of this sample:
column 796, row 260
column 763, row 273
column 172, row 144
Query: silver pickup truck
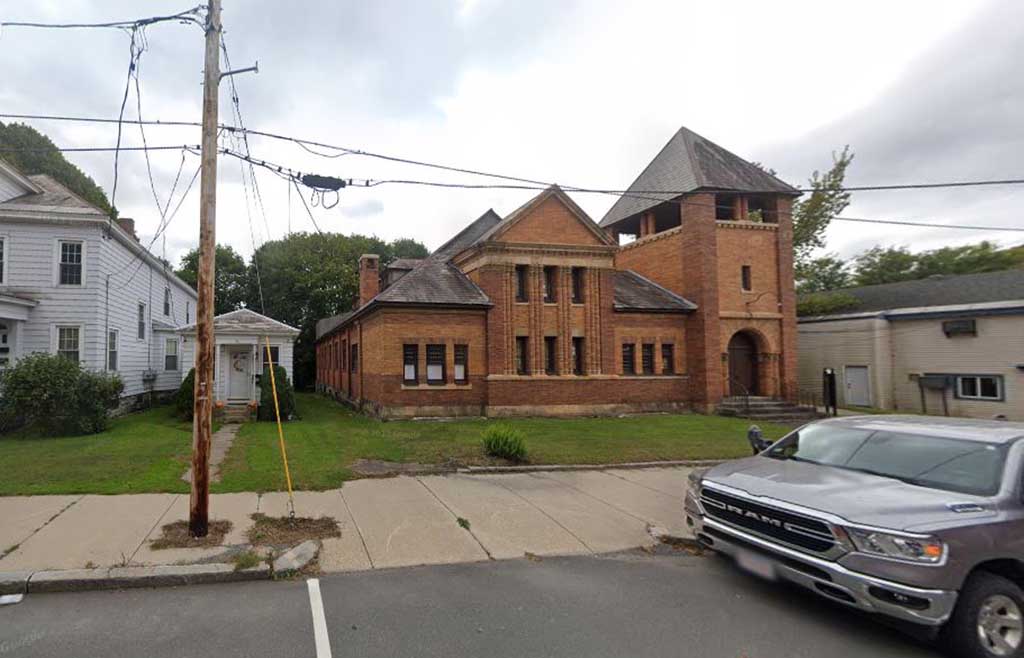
column 919, row 519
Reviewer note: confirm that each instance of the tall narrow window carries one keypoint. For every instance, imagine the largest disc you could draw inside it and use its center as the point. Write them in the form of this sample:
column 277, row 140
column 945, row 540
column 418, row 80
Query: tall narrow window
column 550, row 355
column 435, row 364
column 410, row 364
column 522, row 355
column 3, row 260
column 522, row 295
column 550, row 284
column 668, row 359
column 68, row 345
column 70, row 263
column 353, row 358
column 112, row 350
column 461, row 364
column 167, row 301
column 171, row 354
column 578, row 352
column 647, row 358
column 745, row 278
column 142, row 321
column 343, row 357
column 188, row 312
column 628, row 358
column 577, row 285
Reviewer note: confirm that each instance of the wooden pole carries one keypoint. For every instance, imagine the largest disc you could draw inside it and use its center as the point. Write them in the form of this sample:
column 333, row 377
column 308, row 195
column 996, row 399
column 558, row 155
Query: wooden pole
column 203, row 404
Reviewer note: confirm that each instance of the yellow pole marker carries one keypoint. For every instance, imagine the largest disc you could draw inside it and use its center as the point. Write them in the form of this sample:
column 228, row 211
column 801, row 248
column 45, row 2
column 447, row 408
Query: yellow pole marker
column 280, row 431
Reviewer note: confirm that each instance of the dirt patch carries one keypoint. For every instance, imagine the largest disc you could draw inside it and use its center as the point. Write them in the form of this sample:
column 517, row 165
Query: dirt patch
column 378, row 468
column 685, row 544
column 175, row 535
column 285, row 531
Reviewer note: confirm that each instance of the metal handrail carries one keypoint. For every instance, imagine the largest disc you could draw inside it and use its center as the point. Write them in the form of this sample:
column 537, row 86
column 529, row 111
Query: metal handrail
column 746, row 394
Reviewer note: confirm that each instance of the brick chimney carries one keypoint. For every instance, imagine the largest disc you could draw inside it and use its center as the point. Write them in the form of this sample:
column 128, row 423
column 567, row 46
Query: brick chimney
column 369, row 277
column 127, row 225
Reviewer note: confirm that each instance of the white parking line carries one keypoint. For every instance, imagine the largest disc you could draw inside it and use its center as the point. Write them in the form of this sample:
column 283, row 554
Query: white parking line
column 316, row 606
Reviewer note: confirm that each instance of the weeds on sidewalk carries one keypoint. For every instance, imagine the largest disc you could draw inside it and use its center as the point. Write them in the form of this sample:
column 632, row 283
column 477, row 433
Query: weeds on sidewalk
column 285, row 531
column 246, row 560
column 463, row 523
column 176, row 535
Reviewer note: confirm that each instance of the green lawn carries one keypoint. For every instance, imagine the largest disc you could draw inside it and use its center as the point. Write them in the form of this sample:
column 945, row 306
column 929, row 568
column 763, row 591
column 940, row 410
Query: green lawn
column 329, row 438
column 142, row 452
column 148, row 451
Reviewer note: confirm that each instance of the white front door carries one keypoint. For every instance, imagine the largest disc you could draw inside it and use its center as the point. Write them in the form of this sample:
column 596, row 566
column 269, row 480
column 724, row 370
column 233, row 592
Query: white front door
column 240, row 375
column 857, row 392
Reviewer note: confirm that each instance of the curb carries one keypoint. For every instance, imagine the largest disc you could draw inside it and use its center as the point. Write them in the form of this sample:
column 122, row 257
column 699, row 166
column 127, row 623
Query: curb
column 81, row 580
column 540, row 468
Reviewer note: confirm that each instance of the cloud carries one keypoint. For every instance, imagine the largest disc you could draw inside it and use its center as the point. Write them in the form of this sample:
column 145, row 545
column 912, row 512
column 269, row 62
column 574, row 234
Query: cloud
column 363, row 209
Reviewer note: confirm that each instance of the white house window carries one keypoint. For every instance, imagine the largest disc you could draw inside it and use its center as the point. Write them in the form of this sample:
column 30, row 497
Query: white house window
column 171, row 354
column 274, row 354
column 68, row 343
column 142, row 321
column 70, row 263
column 112, row 350
column 979, row 387
column 167, row 301
column 5, row 346
column 3, row 261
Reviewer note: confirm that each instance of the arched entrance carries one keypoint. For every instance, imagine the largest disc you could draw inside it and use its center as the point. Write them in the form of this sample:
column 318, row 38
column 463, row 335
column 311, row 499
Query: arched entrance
column 743, row 375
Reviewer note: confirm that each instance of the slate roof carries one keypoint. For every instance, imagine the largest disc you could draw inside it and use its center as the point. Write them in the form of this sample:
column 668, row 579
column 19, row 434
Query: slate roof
column 246, row 321
column 980, row 288
column 467, row 236
column 327, row 325
column 54, row 195
column 636, row 293
column 434, row 282
column 404, row 263
column 689, row 162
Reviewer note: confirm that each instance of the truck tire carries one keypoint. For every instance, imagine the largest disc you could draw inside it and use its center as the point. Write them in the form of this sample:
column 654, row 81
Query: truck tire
column 988, row 621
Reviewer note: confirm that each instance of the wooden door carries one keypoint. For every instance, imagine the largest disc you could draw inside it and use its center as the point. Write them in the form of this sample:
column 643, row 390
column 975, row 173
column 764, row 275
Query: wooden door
column 742, row 365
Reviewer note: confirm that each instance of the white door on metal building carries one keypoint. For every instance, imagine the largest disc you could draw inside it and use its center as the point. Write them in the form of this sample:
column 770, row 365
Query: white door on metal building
column 858, row 393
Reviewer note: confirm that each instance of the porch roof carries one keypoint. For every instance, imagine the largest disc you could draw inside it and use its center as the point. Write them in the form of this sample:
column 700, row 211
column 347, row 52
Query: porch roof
column 246, row 322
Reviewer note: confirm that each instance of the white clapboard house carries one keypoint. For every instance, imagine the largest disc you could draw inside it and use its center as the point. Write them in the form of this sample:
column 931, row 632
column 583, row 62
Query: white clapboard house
column 76, row 283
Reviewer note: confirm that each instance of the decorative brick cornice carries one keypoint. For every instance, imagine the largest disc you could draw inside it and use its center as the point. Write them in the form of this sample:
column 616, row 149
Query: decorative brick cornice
column 743, row 224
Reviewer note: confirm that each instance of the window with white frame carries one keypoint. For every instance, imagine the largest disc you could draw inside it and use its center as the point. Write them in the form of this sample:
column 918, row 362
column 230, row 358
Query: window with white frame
column 70, row 264
column 69, row 343
column 171, row 354
column 112, row 340
column 979, row 387
column 142, row 321
column 275, row 353
column 3, row 261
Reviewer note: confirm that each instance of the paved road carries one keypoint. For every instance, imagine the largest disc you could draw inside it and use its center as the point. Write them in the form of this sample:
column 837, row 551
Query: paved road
column 630, row 604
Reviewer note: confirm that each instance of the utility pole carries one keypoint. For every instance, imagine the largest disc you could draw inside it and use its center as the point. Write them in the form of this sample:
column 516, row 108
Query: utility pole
column 199, row 503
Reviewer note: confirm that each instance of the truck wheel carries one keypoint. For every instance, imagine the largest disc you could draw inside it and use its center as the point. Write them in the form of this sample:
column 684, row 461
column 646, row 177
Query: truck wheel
column 989, row 619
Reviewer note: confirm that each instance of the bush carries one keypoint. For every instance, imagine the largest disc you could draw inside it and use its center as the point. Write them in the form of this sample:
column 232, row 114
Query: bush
column 505, row 442
column 184, row 401
column 50, row 395
column 285, row 395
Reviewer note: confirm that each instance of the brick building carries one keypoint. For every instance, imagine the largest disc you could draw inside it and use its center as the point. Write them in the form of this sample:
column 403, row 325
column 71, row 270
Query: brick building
column 543, row 312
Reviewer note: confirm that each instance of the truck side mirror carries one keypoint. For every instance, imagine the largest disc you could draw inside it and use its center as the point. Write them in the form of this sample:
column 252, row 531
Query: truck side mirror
column 757, row 441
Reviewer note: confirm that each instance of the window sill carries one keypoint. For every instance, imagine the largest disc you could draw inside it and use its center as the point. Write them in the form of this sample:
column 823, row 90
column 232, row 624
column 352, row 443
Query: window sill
column 436, row 387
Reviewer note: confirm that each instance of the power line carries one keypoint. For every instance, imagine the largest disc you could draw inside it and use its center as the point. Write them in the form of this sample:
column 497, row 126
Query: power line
column 99, row 149
column 185, row 17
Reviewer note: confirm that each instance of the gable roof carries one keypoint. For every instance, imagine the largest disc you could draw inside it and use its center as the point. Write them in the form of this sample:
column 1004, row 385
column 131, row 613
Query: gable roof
column 327, row 325
column 1007, row 285
column 246, row 321
column 689, row 162
column 467, row 236
column 434, row 282
column 522, row 211
column 51, row 195
column 637, row 293
column 404, row 264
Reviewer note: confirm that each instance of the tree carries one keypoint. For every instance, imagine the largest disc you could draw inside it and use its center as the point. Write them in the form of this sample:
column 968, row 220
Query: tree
column 309, row 276
column 982, row 257
column 821, row 274
column 230, row 285
column 884, row 265
column 42, row 157
column 811, row 216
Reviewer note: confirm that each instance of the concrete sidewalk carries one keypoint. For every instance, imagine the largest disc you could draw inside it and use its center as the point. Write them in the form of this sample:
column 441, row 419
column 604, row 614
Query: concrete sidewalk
column 384, row 523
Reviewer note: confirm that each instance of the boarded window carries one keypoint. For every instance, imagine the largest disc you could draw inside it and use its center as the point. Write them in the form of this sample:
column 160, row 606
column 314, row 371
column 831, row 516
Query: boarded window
column 577, row 284
column 668, row 359
column 550, row 355
column 461, row 364
column 435, row 364
column 410, row 364
column 71, row 263
column 550, row 284
column 628, row 358
column 68, row 343
column 521, row 283
column 522, row 355
column 647, row 358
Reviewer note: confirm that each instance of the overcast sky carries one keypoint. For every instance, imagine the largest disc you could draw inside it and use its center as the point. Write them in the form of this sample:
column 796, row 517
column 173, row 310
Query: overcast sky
column 580, row 93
